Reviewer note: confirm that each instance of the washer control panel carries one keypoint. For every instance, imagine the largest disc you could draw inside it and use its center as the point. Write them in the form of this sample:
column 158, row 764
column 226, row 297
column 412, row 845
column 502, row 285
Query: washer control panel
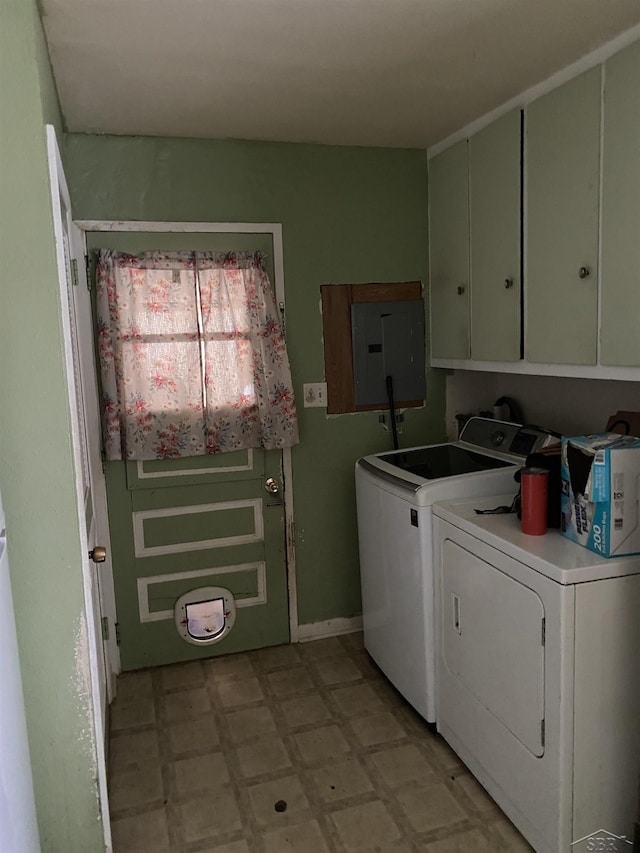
column 498, row 437
column 503, row 436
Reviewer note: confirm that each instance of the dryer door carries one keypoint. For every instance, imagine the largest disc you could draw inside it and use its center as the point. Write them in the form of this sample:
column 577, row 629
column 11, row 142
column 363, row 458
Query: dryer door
column 493, row 642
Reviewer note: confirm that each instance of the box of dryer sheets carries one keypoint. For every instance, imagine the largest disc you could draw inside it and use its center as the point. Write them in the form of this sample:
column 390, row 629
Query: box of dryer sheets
column 600, row 492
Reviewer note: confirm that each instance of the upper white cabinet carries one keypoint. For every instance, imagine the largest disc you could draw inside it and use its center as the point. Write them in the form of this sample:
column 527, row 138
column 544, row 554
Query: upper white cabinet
column 562, row 157
column 620, row 308
column 558, row 201
column 474, row 225
column 449, row 252
column 494, row 207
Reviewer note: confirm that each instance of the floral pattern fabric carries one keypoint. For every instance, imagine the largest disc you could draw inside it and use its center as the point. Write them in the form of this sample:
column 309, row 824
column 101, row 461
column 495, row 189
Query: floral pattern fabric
column 192, row 355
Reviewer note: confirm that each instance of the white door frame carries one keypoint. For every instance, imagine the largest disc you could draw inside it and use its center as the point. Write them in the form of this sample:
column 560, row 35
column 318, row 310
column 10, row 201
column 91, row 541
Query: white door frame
column 275, row 230
column 85, row 331
column 59, row 198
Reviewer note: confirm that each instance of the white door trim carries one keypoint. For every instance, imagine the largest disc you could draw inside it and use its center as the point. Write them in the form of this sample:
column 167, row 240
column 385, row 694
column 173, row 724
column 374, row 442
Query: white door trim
column 59, row 191
column 275, row 230
column 98, row 484
column 330, row 628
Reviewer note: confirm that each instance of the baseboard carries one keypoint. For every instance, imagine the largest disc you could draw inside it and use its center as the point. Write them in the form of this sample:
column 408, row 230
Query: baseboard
column 330, row 628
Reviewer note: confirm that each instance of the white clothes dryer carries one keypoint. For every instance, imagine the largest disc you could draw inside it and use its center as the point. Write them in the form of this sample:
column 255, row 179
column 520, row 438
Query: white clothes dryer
column 538, row 675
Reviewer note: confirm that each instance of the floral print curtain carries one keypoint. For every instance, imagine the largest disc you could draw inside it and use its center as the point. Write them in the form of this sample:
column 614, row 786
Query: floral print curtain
column 192, row 355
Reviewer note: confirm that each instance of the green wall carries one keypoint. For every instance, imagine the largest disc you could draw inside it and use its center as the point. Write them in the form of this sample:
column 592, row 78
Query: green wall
column 348, row 215
column 36, row 463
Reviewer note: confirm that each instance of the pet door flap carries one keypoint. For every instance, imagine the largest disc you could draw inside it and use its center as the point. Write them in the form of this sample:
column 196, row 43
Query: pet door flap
column 205, row 619
column 205, row 615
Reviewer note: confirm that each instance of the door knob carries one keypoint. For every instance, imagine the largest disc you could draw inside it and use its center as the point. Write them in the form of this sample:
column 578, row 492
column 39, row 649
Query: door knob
column 584, row 272
column 508, row 283
column 271, row 486
column 460, row 289
column 98, row 554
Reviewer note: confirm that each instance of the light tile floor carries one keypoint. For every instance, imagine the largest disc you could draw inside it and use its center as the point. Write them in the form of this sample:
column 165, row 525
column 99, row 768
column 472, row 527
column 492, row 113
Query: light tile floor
column 291, row 749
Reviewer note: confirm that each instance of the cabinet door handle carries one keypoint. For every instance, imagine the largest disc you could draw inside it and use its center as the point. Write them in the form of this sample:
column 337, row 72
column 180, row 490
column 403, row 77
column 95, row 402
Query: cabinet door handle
column 584, row 272
column 508, row 283
column 460, row 289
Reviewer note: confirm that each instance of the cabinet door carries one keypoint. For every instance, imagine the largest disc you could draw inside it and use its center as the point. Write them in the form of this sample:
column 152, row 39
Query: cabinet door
column 449, row 245
column 620, row 306
column 494, row 210
column 562, row 160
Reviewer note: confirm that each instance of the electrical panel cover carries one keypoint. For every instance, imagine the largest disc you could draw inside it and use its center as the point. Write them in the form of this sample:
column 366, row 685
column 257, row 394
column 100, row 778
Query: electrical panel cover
column 388, row 340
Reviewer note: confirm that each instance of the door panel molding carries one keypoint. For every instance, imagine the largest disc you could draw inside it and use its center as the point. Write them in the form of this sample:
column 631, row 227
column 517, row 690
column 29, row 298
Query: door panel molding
column 260, row 597
column 144, row 550
column 163, row 473
column 187, row 472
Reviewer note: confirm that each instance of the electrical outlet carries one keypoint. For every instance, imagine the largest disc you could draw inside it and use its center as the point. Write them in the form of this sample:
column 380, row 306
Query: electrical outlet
column 315, row 394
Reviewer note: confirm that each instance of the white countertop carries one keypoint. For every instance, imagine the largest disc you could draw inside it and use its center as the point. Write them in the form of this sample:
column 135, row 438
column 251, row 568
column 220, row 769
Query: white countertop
column 552, row 554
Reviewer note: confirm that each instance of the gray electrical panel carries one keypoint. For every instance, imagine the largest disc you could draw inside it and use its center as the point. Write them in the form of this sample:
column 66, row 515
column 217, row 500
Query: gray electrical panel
column 387, row 339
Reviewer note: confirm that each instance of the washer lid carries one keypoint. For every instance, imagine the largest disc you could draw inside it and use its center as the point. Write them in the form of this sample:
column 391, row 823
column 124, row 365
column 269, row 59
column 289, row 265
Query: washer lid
column 442, row 460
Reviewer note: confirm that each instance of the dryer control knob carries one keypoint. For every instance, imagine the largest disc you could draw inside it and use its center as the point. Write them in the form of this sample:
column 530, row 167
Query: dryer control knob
column 497, row 438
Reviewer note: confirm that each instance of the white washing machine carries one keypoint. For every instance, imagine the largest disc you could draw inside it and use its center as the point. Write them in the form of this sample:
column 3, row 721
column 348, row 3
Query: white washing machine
column 538, row 676
column 395, row 492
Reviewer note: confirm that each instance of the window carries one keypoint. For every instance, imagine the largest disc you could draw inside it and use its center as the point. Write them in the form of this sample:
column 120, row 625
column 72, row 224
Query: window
column 192, row 355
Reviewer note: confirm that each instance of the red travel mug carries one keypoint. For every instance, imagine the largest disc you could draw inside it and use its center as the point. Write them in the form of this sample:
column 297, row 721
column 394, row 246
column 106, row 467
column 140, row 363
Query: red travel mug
column 534, row 487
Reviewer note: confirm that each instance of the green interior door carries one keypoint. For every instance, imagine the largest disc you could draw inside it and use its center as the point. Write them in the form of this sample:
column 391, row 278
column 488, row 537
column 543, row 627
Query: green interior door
column 179, row 524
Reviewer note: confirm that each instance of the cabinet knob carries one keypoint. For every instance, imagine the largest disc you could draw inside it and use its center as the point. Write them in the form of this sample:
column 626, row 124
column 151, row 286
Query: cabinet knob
column 508, row 283
column 584, row 272
column 460, row 289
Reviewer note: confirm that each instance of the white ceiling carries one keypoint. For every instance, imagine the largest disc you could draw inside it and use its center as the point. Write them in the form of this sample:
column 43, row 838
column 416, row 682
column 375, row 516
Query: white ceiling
column 348, row 72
